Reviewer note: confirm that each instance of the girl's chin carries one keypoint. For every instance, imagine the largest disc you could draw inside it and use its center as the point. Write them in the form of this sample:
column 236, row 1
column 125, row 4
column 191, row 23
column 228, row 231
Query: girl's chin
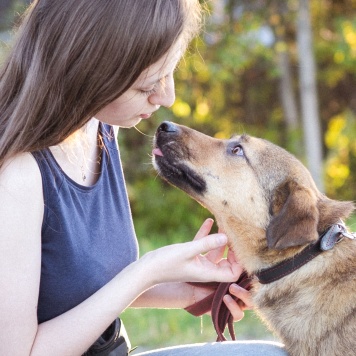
column 126, row 124
column 132, row 122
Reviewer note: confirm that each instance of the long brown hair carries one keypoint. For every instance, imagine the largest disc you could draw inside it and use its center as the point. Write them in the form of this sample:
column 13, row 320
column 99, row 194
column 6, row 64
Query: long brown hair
column 72, row 57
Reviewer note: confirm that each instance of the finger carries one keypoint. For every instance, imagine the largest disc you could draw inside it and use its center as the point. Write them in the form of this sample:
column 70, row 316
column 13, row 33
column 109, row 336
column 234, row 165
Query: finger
column 207, row 244
column 222, row 271
column 216, row 255
column 235, row 269
column 242, row 294
column 231, row 260
column 205, row 229
column 235, row 310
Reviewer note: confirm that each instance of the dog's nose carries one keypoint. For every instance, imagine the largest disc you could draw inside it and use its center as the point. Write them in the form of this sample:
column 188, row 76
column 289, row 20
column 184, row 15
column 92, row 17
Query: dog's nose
column 167, row 126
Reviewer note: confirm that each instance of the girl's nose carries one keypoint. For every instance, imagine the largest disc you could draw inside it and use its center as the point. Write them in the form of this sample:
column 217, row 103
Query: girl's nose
column 165, row 96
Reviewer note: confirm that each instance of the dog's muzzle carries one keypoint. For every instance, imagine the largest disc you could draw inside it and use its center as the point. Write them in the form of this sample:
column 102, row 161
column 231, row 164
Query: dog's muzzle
column 171, row 157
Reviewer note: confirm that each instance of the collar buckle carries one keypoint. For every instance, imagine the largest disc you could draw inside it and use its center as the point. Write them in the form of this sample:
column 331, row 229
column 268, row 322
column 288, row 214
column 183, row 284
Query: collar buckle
column 334, row 235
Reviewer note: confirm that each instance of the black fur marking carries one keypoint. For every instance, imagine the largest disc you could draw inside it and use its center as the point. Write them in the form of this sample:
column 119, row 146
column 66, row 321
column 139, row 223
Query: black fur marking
column 181, row 176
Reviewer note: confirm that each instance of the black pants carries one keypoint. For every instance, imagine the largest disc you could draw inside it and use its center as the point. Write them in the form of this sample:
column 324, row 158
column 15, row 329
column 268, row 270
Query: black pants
column 113, row 342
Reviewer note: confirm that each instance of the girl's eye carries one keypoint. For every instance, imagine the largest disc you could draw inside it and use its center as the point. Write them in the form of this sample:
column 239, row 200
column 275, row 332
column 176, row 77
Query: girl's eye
column 160, row 84
column 237, row 150
column 148, row 92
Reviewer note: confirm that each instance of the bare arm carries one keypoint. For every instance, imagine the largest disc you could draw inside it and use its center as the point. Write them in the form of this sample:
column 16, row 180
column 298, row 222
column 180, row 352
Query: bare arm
column 21, row 214
column 166, row 296
column 20, row 256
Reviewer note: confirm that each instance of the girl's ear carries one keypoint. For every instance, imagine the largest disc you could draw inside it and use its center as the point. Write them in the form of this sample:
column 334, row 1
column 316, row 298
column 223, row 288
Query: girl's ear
column 295, row 217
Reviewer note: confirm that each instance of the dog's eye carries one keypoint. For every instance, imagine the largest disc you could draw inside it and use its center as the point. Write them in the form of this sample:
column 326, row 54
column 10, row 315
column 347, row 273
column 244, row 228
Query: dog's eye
column 237, row 150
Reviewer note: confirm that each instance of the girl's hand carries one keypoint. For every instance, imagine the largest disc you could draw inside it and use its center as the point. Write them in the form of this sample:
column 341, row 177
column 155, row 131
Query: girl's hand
column 244, row 302
column 195, row 261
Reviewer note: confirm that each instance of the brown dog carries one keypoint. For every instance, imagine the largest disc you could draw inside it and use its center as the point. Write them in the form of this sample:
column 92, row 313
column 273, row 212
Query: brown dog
column 266, row 202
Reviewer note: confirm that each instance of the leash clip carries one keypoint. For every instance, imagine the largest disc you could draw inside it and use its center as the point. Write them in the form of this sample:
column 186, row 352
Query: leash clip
column 345, row 233
column 349, row 235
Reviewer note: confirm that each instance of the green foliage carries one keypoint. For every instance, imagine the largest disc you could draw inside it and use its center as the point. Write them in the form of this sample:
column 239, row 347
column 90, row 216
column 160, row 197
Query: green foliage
column 341, row 161
column 165, row 214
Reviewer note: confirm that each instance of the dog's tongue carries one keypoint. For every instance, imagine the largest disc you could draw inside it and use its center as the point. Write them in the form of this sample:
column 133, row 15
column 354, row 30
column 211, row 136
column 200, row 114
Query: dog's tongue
column 157, row 152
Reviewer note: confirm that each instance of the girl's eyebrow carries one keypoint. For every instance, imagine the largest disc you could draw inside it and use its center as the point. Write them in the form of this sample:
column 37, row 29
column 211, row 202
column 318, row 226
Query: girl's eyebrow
column 147, row 81
column 155, row 81
column 160, row 80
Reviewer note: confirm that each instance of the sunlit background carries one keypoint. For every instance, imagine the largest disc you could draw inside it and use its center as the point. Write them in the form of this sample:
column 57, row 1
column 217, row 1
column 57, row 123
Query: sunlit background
column 252, row 70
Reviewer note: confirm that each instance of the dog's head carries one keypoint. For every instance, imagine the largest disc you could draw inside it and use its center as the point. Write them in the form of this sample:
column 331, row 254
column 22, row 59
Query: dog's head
column 249, row 180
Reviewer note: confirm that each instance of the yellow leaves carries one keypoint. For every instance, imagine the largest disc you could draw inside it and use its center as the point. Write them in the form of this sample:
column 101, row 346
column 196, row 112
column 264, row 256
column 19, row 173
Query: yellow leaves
column 338, row 172
column 339, row 139
column 344, row 49
column 349, row 34
column 181, row 109
column 281, row 46
column 202, row 110
column 220, row 135
column 339, row 57
column 333, row 137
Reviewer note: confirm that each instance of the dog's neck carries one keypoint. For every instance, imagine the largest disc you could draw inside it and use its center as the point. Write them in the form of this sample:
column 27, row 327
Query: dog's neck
column 249, row 244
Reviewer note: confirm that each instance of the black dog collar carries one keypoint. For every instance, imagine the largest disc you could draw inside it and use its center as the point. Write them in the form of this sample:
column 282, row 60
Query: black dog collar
column 326, row 242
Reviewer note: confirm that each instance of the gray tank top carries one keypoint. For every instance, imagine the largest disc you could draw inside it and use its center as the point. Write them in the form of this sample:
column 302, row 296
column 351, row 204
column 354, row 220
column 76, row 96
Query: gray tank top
column 87, row 232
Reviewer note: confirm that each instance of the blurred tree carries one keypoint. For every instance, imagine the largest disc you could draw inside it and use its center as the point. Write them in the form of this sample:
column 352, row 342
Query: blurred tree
column 309, row 94
column 286, row 90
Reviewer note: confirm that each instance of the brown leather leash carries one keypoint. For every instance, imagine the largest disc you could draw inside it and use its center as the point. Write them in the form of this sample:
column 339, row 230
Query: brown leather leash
column 220, row 314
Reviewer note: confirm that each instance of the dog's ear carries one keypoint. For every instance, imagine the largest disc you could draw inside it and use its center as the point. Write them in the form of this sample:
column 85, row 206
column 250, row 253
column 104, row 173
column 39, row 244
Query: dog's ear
column 331, row 211
column 295, row 217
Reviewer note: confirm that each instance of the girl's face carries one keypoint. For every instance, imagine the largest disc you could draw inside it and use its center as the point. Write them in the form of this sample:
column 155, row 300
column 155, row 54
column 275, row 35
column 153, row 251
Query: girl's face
column 153, row 88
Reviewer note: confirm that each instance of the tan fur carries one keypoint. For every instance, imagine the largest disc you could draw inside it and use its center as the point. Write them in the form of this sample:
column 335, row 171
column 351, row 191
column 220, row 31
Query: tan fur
column 270, row 208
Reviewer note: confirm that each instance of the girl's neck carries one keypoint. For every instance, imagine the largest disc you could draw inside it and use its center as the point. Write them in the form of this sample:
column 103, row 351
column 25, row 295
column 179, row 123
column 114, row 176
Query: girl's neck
column 87, row 134
column 79, row 154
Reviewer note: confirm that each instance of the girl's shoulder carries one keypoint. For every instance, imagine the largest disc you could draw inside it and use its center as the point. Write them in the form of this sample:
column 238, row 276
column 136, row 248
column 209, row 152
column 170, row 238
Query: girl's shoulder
column 20, row 172
column 21, row 183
